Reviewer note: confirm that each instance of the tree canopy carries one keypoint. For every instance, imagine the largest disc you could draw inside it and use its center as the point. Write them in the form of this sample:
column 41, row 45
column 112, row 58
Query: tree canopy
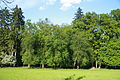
column 91, row 40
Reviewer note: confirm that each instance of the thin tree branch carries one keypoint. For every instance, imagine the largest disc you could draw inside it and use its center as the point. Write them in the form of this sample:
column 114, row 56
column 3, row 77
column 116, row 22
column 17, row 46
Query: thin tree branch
column 6, row 3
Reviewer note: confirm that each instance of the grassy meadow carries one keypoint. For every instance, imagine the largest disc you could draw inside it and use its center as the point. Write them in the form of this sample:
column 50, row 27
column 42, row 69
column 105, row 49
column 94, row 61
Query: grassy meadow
column 57, row 74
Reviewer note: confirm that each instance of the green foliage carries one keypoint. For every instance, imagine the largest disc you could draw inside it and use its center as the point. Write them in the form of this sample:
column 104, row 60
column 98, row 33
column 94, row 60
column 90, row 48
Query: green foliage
column 78, row 14
column 29, row 45
column 100, row 29
column 81, row 49
column 111, row 53
column 92, row 39
column 116, row 14
column 9, row 32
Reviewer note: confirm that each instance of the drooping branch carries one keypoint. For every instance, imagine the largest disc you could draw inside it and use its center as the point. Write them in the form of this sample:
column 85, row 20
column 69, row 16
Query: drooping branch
column 6, row 2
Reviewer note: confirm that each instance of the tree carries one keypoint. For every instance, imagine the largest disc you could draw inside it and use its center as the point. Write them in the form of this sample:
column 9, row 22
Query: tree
column 44, row 32
column 28, row 50
column 111, row 53
column 57, row 49
column 78, row 14
column 91, row 39
column 88, row 24
column 29, row 55
column 107, row 30
column 6, row 38
column 115, row 14
column 81, row 49
column 17, row 25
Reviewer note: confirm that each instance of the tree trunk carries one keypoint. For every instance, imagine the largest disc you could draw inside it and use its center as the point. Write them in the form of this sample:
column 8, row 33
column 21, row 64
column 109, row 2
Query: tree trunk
column 96, row 64
column 106, row 67
column 74, row 64
column 42, row 65
column 92, row 64
column 99, row 65
column 28, row 65
column 13, row 65
column 78, row 67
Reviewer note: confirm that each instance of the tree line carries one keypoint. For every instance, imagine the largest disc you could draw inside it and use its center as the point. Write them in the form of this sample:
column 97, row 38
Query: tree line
column 91, row 40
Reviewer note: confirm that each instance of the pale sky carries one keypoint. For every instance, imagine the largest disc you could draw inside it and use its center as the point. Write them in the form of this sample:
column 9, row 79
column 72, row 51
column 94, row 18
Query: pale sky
column 62, row 11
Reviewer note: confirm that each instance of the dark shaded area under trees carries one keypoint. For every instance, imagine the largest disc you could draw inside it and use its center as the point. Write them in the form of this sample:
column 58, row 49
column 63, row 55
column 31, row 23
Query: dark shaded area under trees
column 92, row 40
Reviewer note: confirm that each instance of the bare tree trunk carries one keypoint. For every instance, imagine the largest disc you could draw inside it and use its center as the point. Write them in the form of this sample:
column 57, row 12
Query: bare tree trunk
column 42, row 65
column 96, row 64
column 99, row 65
column 13, row 65
column 92, row 64
column 78, row 67
column 28, row 65
column 74, row 64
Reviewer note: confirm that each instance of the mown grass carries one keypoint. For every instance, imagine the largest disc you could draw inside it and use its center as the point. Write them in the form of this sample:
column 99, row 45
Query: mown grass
column 57, row 74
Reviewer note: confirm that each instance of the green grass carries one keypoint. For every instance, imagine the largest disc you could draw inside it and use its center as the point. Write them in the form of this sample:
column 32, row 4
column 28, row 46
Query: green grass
column 57, row 74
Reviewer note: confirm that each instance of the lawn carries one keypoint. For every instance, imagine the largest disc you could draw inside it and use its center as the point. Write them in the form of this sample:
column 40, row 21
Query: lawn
column 57, row 74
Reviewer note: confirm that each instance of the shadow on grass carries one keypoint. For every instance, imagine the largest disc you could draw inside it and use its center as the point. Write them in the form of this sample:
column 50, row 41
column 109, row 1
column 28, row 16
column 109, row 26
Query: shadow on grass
column 72, row 78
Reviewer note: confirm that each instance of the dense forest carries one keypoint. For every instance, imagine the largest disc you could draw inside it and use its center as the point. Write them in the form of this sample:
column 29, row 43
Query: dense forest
column 91, row 40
